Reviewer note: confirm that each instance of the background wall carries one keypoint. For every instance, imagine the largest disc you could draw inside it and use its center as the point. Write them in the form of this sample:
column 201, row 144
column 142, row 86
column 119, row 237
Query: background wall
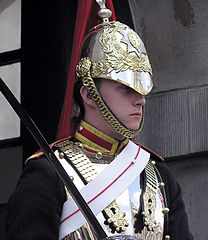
column 176, row 118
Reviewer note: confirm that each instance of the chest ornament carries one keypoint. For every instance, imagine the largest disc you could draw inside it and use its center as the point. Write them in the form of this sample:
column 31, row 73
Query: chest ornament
column 149, row 198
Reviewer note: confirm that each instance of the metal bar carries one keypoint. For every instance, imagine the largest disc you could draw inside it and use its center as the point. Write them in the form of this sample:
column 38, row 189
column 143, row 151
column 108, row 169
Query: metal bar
column 11, row 57
column 79, row 200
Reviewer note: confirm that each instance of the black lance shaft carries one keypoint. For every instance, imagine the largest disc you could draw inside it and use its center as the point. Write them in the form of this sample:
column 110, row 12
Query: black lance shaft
column 76, row 195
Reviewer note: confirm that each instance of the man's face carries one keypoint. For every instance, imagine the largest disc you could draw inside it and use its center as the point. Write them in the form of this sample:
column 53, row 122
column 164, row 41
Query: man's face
column 124, row 102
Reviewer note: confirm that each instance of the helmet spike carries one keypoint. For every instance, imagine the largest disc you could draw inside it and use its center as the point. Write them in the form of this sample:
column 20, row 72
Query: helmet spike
column 103, row 13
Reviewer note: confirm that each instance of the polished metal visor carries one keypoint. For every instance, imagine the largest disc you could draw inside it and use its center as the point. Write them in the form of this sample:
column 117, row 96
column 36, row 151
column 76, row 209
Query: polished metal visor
column 139, row 81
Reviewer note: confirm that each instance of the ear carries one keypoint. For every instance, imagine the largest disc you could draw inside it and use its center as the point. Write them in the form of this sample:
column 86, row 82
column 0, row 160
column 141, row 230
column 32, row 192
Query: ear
column 86, row 97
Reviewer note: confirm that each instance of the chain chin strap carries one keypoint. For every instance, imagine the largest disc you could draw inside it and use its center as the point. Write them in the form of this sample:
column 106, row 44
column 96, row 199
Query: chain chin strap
column 83, row 71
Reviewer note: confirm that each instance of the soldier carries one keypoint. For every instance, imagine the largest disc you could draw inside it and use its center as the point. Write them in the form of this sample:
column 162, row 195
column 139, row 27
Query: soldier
column 128, row 187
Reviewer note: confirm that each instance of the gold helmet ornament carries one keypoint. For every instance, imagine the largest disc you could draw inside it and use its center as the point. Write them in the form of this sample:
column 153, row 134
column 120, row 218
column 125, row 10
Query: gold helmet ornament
column 114, row 51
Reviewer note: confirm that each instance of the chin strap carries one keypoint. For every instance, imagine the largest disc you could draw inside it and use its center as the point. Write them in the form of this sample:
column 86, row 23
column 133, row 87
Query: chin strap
column 83, row 71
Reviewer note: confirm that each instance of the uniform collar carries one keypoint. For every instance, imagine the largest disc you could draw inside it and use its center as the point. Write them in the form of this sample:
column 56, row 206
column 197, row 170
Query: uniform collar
column 97, row 142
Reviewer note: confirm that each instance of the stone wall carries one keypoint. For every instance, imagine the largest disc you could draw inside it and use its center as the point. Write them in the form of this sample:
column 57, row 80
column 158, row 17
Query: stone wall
column 176, row 114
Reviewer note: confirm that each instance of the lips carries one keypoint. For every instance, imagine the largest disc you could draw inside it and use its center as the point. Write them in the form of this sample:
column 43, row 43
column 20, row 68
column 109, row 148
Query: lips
column 137, row 114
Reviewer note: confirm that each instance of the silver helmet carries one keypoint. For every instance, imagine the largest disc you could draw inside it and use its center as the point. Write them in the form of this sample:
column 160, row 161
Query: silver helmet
column 114, row 51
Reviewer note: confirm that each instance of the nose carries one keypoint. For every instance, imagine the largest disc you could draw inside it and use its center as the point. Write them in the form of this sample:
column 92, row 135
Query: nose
column 139, row 99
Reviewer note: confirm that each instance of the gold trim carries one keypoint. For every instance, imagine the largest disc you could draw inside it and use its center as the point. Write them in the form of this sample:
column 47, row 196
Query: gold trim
column 122, row 145
column 116, row 145
column 97, row 132
column 35, row 155
column 89, row 143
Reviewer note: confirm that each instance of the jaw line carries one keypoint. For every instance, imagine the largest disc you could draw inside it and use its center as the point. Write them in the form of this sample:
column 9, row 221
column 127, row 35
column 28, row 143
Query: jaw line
column 139, row 128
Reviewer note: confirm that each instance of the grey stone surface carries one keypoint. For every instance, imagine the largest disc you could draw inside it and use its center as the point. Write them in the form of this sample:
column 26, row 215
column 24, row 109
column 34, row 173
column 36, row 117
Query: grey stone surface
column 176, row 122
column 175, row 35
column 198, row 119
column 165, row 114
column 176, row 119
column 10, row 37
column 9, row 121
column 192, row 174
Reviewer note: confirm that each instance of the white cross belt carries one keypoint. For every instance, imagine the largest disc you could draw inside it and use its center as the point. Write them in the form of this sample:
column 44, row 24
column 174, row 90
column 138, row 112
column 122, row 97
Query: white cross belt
column 105, row 187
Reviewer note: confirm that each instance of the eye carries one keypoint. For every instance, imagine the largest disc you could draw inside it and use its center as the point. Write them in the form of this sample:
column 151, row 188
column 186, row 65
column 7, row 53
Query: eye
column 126, row 89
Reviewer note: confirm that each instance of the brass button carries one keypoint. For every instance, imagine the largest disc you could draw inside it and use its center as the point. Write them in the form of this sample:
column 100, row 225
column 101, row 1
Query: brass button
column 167, row 237
column 98, row 155
column 61, row 155
column 165, row 210
column 153, row 163
column 80, row 145
column 144, row 214
column 161, row 184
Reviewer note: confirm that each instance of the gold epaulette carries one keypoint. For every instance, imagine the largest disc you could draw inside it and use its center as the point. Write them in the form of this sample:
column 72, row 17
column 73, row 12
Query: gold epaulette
column 39, row 153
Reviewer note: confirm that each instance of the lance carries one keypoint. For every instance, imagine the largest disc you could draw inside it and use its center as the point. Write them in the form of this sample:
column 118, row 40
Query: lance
column 44, row 146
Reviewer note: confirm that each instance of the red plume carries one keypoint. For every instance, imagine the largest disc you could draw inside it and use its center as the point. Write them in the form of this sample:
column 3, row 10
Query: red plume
column 86, row 18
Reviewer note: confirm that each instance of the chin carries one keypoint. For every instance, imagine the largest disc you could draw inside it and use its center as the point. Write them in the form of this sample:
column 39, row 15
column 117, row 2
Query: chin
column 134, row 127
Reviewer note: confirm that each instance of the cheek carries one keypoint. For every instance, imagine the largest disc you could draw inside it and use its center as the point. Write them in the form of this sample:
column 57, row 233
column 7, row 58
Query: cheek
column 117, row 103
column 121, row 111
column 110, row 100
